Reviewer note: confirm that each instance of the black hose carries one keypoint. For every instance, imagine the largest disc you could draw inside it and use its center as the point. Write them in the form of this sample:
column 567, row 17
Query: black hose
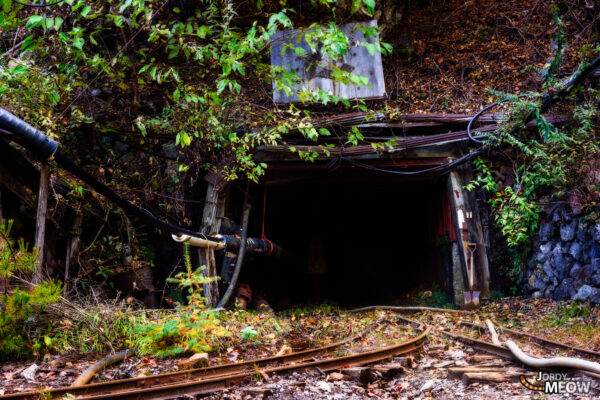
column 44, row 147
column 25, row 134
column 241, row 253
column 439, row 168
column 129, row 208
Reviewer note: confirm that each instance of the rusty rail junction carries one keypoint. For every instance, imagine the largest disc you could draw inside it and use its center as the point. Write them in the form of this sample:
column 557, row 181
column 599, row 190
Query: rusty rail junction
column 221, row 377
column 212, row 379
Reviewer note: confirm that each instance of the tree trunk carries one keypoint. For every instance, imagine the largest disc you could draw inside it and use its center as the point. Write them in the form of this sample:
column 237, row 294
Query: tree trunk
column 72, row 246
column 40, row 227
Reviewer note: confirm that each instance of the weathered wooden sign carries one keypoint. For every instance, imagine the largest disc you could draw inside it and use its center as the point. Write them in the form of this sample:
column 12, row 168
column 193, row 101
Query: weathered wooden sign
column 315, row 69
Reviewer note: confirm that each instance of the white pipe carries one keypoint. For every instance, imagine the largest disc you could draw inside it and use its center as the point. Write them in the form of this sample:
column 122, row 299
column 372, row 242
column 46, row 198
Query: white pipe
column 198, row 242
column 563, row 362
column 554, row 362
column 495, row 339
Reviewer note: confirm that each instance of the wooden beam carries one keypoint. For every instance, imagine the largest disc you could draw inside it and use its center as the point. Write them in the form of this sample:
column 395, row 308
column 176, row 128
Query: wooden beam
column 213, row 206
column 40, row 225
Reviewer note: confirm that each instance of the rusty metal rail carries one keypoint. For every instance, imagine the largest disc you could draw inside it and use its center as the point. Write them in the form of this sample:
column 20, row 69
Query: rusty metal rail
column 180, row 376
column 503, row 352
column 166, row 386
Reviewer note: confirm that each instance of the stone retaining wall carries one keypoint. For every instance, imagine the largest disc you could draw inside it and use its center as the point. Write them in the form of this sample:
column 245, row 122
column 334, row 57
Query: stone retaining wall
column 566, row 260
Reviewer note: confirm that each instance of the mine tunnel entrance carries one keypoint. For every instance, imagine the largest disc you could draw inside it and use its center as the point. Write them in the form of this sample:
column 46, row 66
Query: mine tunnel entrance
column 354, row 242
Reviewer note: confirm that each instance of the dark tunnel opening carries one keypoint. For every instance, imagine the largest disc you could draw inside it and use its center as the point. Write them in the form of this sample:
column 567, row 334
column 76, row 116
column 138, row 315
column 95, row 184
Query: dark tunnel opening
column 360, row 242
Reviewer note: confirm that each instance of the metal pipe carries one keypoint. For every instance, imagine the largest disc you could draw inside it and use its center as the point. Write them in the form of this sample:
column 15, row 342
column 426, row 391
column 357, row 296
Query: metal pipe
column 199, row 242
column 253, row 245
column 240, row 257
column 233, row 243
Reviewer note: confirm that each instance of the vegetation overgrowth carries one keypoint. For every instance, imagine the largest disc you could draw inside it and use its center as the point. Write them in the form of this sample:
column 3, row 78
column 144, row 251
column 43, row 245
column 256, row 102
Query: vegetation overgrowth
column 177, row 82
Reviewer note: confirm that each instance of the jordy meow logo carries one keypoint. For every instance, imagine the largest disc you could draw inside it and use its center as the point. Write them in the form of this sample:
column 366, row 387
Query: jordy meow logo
column 556, row 383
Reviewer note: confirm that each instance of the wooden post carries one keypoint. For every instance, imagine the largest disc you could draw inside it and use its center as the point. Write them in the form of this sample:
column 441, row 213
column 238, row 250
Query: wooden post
column 210, row 225
column 40, row 226
column 463, row 211
column 72, row 246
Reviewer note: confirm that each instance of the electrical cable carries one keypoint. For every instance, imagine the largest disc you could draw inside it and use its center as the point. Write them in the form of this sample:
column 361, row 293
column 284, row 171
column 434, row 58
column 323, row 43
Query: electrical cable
column 439, row 168
column 128, row 207
column 33, row 5
column 484, row 109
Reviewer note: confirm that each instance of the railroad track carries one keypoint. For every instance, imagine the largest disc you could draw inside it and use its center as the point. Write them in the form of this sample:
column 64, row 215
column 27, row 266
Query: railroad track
column 544, row 342
column 504, row 353
column 208, row 380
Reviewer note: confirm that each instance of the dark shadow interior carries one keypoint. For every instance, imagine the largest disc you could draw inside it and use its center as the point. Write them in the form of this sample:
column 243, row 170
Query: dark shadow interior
column 372, row 241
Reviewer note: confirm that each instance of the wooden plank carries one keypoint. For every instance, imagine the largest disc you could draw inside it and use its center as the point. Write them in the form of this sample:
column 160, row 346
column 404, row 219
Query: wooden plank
column 315, row 69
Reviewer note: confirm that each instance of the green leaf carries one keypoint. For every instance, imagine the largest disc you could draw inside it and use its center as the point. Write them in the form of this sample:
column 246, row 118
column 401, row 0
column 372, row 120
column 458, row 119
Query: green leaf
column 173, row 52
column 85, row 11
column 203, row 31
column 176, row 94
column 300, row 51
column 54, row 98
column 370, row 4
column 27, row 43
column 78, row 43
column 248, row 332
column 118, row 21
column 33, row 21
column 19, row 69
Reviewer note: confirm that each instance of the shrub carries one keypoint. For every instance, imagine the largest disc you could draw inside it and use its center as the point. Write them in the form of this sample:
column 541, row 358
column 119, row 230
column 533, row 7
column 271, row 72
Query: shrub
column 21, row 308
column 190, row 328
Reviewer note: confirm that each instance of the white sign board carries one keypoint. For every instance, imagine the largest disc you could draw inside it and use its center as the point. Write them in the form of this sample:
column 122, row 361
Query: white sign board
column 316, row 72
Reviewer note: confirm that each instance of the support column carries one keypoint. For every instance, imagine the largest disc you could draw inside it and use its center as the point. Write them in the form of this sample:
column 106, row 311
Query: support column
column 213, row 206
column 465, row 214
column 40, row 226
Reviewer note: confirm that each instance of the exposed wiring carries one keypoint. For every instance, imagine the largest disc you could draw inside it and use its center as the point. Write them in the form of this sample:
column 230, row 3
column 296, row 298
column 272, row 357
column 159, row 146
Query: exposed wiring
column 439, row 168
column 484, row 109
column 125, row 205
column 33, row 5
